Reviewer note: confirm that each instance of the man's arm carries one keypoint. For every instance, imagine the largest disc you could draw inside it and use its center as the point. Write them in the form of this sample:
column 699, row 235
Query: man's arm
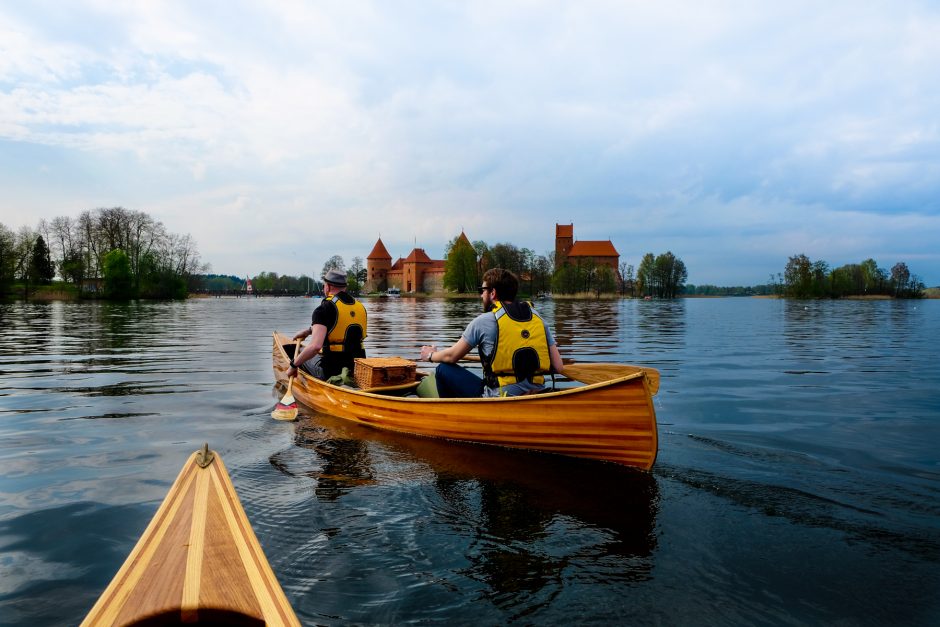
column 448, row 355
column 317, row 336
column 557, row 364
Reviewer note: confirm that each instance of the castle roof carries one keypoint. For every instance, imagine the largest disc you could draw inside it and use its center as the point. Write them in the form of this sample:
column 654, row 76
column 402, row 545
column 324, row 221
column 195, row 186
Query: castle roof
column 418, row 256
column 586, row 248
column 379, row 251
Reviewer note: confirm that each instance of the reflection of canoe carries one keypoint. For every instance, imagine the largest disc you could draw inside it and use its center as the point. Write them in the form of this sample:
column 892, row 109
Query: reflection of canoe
column 197, row 562
column 612, row 421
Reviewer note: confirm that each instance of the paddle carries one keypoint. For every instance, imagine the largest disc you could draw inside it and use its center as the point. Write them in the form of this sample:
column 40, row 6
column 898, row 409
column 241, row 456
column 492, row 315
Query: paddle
column 286, row 409
column 590, row 373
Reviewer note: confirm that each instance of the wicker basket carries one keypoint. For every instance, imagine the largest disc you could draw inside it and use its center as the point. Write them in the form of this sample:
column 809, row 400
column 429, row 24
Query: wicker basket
column 377, row 372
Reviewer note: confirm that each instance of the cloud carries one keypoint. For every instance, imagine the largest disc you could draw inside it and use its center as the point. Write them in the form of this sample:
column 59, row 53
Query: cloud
column 732, row 134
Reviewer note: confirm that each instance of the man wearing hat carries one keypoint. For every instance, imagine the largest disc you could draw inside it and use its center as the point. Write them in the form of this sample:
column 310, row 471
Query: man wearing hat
column 336, row 331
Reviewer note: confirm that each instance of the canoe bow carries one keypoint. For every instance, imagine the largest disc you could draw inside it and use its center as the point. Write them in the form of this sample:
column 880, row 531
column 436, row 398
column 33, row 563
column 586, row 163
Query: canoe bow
column 198, row 562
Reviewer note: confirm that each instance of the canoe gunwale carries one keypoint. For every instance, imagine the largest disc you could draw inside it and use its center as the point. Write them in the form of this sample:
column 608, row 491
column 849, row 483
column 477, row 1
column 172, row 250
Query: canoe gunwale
column 409, row 399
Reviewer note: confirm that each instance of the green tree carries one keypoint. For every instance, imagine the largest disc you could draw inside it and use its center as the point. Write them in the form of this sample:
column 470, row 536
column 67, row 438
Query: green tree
column 900, row 275
column 605, row 280
column 798, row 276
column 159, row 281
column 41, row 269
column 567, row 280
column 7, row 258
column 357, row 274
column 541, row 274
column 118, row 279
column 645, row 275
column 508, row 257
column 461, row 270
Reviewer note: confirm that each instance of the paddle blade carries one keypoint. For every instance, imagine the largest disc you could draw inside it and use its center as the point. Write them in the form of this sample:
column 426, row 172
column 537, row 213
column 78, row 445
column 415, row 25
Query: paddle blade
column 286, row 409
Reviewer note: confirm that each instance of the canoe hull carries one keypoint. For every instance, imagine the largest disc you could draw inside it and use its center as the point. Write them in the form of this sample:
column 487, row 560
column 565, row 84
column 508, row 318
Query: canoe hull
column 198, row 562
column 612, row 421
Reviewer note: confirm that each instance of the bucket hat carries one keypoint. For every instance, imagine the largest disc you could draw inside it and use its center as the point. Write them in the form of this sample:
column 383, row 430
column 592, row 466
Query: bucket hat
column 335, row 277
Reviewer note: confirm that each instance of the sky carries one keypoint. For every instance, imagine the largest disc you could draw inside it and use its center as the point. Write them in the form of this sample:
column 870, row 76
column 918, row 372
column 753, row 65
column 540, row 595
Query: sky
column 734, row 134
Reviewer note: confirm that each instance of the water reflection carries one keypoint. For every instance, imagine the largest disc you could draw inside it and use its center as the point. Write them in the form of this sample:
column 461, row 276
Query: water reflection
column 516, row 507
column 345, row 462
column 662, row 321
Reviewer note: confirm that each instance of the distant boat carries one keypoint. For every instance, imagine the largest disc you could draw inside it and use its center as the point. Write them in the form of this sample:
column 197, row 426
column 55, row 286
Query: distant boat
column 393, row 291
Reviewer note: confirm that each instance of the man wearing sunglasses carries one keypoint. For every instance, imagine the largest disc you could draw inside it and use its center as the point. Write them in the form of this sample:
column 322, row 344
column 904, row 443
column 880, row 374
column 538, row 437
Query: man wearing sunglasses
column 515, row 345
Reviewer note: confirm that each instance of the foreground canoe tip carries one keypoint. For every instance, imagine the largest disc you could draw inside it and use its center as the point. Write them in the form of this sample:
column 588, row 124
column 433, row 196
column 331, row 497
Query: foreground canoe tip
column 198, row 562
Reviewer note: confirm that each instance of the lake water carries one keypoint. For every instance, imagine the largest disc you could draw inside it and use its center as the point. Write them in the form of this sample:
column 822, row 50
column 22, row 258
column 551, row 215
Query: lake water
column 798, row 478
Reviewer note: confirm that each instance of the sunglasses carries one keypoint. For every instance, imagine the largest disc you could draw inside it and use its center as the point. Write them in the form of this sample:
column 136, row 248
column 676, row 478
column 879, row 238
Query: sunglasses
column 483, row 288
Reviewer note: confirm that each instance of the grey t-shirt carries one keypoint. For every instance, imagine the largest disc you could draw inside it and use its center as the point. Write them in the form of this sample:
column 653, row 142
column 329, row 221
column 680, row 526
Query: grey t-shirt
column 481, row 334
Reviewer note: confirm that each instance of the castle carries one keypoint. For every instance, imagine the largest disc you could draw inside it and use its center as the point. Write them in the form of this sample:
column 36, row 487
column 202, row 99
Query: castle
column 600, row 252
column 419, row 273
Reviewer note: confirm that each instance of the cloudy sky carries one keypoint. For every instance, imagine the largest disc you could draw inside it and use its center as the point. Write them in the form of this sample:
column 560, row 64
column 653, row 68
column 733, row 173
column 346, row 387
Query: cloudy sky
column 734, row 134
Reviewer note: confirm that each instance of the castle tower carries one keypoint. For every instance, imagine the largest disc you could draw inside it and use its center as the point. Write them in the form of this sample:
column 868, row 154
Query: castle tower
column 564, row 240
column 378, row 263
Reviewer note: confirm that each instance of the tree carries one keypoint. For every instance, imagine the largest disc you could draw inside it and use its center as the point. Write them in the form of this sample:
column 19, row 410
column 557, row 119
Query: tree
column 645, row 275
column 626, row 278
column 334, row 263
column 7, row 258
column 541, row 271
column 798, row 276
column 41, row 269
column 566, row 280
column 118, row 280
column 461, row 270
column 356, row 276
column 900, row 276
column 605, row 281
column 508, row 257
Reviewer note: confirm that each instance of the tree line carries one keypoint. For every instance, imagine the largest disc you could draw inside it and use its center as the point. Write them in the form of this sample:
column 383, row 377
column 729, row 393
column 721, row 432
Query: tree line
column 107, row 252
column 465, row 262
column 662, row 276
column 804, row 278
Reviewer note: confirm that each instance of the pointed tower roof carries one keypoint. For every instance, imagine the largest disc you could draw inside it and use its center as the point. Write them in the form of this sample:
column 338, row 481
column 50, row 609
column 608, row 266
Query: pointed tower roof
column 379, row 251
column 463, row 237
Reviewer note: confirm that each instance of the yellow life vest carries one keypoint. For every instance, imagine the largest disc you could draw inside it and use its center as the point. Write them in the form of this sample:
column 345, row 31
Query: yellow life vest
column 521, row 350
column 349, row 316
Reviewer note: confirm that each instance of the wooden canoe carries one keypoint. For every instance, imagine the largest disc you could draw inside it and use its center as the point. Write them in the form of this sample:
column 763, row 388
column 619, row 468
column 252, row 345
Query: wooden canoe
column 198, row 562
column 612, row 420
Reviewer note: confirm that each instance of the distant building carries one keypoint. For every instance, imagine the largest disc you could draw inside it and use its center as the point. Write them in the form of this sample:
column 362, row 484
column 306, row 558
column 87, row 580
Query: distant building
column 415, row 273
column 378, row 263
column 419, row 273
column 599, row 252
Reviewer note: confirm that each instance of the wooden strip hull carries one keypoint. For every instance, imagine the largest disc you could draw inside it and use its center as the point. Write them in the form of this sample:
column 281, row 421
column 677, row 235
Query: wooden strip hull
column 198, row 562
column 611, row 421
